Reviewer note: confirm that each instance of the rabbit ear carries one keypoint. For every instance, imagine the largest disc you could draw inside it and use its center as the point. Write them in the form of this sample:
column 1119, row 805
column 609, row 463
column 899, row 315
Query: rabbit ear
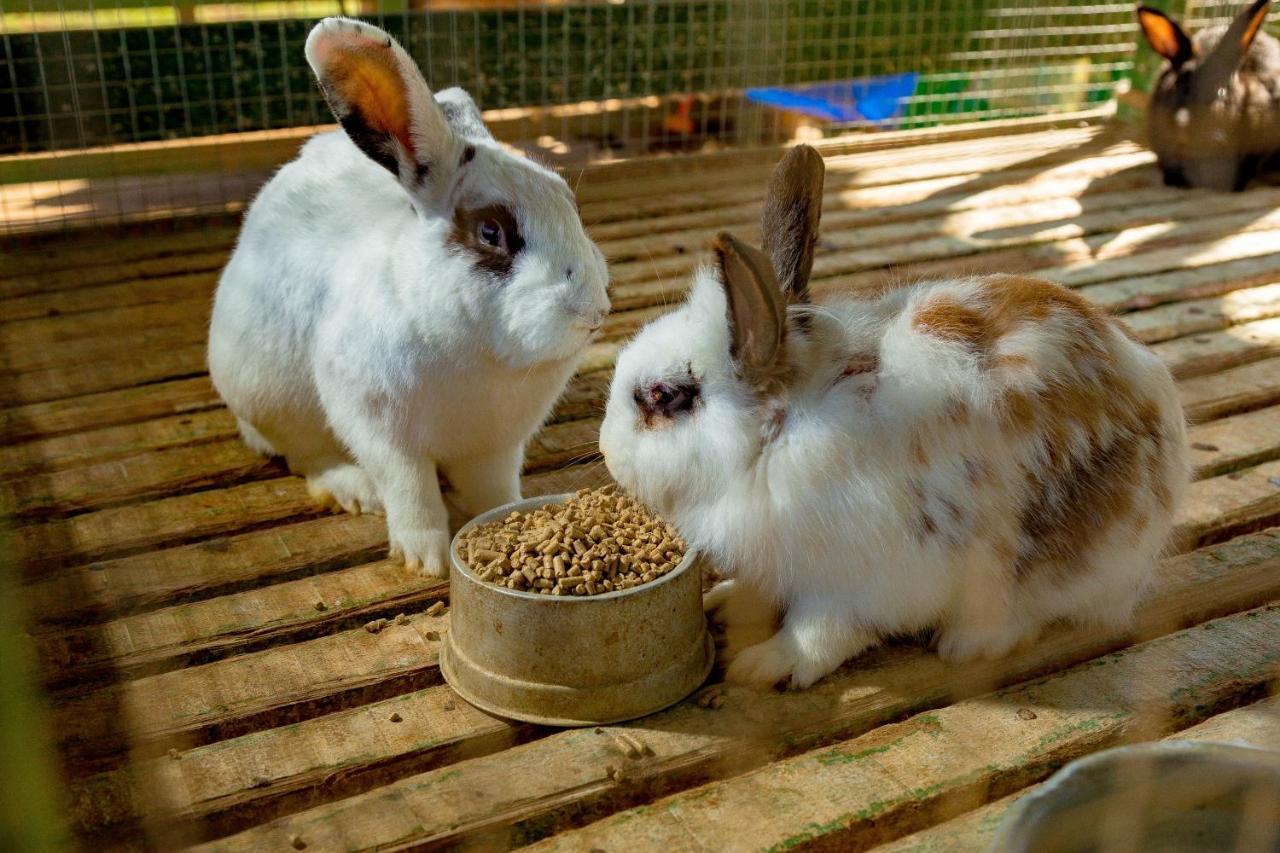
column 382, row 101
column 1243, row 30
column 1216, row 69
column 756, row 311
column 1164, row 35
column 792, row 210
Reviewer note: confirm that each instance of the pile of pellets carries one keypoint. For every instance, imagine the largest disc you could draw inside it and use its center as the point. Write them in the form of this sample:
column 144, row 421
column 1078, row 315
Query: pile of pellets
column 598, row 541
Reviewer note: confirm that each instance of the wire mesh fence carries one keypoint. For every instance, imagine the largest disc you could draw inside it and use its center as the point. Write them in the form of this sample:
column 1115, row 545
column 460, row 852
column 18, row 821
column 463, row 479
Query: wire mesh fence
column 124, row 107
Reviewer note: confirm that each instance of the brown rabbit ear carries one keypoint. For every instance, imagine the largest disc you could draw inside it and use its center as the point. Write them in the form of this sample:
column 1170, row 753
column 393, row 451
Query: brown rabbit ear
column 1244, row 29
column 1164, row 35
column 756, row 311
column 792, row 210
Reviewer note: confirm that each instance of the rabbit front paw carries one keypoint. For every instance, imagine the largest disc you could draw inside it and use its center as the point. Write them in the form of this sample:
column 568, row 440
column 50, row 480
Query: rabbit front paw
column 966, row 642
column 766, row 664
column 424, row 549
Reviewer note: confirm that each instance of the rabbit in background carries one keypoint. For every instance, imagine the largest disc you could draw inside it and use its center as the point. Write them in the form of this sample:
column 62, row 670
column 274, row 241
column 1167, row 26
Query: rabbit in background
column 1214, row 115
column 979, row 455
column 406, row 298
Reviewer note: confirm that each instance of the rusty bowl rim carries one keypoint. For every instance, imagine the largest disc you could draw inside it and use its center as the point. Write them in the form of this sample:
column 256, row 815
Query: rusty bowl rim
column 691, row 557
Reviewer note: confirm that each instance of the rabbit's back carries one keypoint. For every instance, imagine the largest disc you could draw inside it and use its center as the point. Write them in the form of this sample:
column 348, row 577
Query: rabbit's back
column 1010, row 415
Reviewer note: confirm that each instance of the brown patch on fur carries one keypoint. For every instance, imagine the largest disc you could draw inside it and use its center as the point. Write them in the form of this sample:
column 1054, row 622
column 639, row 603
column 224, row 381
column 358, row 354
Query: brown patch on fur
column 957, row 411
column 949, row 320
column 918, row 454
column 1076, row 501
column 465, row 237
column 927, row 523
column 1017, row 415
column 860, row 364
column 1010, row 361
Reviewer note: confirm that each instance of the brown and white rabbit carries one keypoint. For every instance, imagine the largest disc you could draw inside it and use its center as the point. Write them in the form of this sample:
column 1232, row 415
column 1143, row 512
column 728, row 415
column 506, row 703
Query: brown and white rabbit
column 1214, row 118
column 980, row 455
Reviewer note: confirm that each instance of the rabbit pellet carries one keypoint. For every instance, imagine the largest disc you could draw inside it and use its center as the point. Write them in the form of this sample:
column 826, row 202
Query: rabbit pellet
column 598, row 541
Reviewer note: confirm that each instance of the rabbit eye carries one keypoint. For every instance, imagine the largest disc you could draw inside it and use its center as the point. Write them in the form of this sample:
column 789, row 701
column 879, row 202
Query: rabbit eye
column 491, row 234
column 664, row 399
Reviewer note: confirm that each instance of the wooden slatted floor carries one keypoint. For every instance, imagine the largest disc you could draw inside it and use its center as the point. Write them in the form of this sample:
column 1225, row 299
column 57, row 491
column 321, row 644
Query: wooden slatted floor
column 198, row 622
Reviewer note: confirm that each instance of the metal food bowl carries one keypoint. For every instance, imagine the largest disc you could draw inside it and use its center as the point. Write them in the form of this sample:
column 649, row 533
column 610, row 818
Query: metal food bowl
column 574, row 660
column 1169, row 796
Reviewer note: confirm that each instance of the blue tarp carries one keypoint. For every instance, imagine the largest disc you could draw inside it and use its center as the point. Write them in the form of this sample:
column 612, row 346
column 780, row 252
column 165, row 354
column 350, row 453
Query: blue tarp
column 867, row 99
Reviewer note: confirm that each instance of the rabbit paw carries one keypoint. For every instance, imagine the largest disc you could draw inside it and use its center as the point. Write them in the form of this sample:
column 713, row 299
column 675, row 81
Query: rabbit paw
column 345, row 487
column 423, row 549
column 965, row 643
column 766, row 664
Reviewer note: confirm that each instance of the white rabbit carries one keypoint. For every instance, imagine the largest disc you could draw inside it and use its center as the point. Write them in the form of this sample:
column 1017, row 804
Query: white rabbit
column 406, row 297
column 976, row 455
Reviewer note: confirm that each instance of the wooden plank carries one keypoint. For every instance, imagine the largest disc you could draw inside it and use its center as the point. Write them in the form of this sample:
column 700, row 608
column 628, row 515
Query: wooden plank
column 558, row 781
column 1127, row 233
column 128, row 292
column 46, row 265
column 203, row 631
column 47, row 289
column 115, row 442
column 1257, row 725
column 108, row 408
column 1235, row 442
column 220, row 700
column 688, row 176
column 1238, row 389
column 1147, row 291
column 128, row 529
column 1175, row 319
column 147, row 475
column 860, row 216
column 1221, row 507
column 59, row 383
column 1107, row 172
column 120, row 531
column 108, row 352
column 212, row 567
column 188, row 313
column 882, row 785
column 1197, row 355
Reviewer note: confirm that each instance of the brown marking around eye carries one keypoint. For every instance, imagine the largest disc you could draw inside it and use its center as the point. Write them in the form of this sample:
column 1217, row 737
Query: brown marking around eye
column 465, row 238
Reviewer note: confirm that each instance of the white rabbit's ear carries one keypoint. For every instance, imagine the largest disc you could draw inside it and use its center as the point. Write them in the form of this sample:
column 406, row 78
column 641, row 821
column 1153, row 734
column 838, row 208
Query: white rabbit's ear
column 1164, row 35
column 757, row 324
column 462, row 114
column 382, row 101
column 792, row 211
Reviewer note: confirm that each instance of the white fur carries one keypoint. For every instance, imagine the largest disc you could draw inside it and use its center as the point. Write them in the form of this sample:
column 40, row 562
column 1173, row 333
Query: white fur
column 349, row 338
column 814, row 518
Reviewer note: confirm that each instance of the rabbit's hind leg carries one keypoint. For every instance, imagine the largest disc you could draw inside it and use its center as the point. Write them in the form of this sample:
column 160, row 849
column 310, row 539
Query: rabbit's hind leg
column 344, row 485
column 334, row 480
column 255, row 440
